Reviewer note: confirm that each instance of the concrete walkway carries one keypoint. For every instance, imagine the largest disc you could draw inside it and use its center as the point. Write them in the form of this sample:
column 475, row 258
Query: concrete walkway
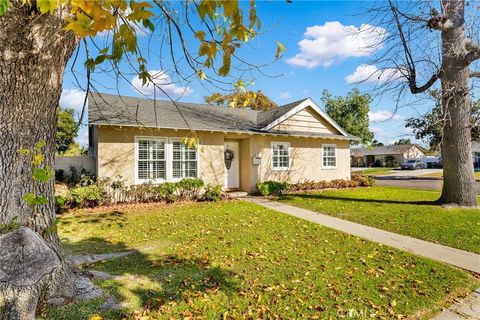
column 459, row 258
column 468, row 308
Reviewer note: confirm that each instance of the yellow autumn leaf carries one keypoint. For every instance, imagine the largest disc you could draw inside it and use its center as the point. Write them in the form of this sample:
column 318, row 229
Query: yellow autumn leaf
column 280, row 49
column 201, row 75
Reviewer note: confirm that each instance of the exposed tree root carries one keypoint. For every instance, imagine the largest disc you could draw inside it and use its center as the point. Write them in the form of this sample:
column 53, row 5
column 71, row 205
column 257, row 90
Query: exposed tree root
column 79, row 260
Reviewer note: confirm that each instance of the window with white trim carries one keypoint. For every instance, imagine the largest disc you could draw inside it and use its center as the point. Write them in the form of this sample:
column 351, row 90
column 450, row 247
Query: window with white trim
column 280, row 155
column 329, row 156
column 151, row 159
column 184, row 160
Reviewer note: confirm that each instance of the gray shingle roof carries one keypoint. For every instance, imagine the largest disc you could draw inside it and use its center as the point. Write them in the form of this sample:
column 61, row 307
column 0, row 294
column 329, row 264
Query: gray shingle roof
column 107, row 109
column 375, row 151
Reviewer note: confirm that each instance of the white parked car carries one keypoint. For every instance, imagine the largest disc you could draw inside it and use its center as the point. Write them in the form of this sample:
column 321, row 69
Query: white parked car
column 412, row 164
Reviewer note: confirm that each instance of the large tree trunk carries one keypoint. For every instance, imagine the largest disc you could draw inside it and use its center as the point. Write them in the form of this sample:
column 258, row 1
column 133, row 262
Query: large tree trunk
column 459, row 187
column 34, row 51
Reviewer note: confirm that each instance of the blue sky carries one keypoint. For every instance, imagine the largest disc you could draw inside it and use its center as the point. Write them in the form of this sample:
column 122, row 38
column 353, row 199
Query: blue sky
column 322, row 54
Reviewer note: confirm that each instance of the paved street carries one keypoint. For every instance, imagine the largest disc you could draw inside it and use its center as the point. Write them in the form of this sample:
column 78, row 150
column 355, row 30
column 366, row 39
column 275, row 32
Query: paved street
column 406, row 181
column 410, row 179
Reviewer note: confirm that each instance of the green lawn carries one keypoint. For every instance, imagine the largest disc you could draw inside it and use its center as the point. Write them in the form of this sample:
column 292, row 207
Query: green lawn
column 375, row 171
column 236, row 260
column 406, row 211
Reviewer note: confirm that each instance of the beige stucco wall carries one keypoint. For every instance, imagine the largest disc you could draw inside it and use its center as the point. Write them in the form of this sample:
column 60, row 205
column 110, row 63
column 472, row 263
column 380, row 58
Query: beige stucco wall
column 116, row 156
column 305, row 160
column 116, row 152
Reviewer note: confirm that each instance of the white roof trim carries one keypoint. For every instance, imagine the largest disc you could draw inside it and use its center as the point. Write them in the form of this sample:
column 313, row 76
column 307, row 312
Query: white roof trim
column 305, row 104
column 250, row 133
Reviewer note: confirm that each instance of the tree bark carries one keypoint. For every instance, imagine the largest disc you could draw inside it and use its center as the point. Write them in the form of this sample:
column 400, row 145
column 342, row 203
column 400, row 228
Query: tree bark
column 459, row 187
column 26, row 263
column 34, row 51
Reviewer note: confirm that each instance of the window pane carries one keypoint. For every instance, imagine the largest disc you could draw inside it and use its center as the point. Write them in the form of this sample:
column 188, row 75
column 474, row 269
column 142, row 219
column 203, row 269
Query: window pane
column 280, row 156
column 329, row 157
column 143, row 148
column 151, row 160
column 158, row 171
column 177, row 150
column 177, row 169
column 275, row 162
column 142, row 170
column 184, row 160
column 191, row 169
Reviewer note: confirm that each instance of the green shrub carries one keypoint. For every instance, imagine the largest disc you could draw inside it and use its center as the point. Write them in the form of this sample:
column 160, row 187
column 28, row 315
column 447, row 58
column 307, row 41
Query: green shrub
column 167, row 191
column 212, row 193
column 268, row 188
column 88, row 196
column 145, row 192
column 363, row 180
column 189, row 188
column 356, row 181
column 60, row 202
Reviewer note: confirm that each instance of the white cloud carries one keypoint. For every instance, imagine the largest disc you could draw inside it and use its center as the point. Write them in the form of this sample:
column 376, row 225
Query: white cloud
column 285, row 95
column 383, row 115
column 306, row 91
column 324, row 45
column 377, row 130
column 367, row 73
column 72, row 99
column 82, row 137
column 160, row 81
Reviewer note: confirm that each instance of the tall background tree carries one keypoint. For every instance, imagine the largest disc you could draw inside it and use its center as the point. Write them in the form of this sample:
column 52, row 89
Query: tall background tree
column 376, row 143
column 429, row 126
column 351, row 113
column 429, row 45
column 67, row 130
column 402, row 141
column 37, row 39
column 242, row 99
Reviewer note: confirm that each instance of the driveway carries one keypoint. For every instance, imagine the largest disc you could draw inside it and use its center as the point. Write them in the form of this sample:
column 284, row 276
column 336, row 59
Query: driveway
column 412, row 173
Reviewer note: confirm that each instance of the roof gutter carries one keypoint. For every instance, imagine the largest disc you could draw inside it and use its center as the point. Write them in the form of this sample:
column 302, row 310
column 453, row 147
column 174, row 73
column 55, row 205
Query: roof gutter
column 259, row 132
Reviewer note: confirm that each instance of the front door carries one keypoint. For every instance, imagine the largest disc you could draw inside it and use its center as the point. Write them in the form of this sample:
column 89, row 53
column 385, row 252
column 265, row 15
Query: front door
column 232, row 161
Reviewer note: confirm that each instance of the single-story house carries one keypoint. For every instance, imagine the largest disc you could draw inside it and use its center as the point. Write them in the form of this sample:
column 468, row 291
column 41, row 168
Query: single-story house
column 142, row 141
column 391, row 156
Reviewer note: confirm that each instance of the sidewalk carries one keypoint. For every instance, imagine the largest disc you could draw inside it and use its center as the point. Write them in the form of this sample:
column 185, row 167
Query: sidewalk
column 459, row 258
column 468, row 308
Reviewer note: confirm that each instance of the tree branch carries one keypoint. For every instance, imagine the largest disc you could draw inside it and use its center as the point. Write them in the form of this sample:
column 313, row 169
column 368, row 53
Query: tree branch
column 413, row 86
column 411, row 71
column 474, row 74
column 439, row 22
column 473, row 52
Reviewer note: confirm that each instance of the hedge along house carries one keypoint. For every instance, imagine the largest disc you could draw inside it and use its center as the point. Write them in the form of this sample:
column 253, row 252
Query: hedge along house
column 141, row 141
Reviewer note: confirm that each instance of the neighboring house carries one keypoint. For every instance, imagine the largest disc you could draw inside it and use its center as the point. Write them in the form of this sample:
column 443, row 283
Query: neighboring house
column 391, row 156
column 141, row 140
